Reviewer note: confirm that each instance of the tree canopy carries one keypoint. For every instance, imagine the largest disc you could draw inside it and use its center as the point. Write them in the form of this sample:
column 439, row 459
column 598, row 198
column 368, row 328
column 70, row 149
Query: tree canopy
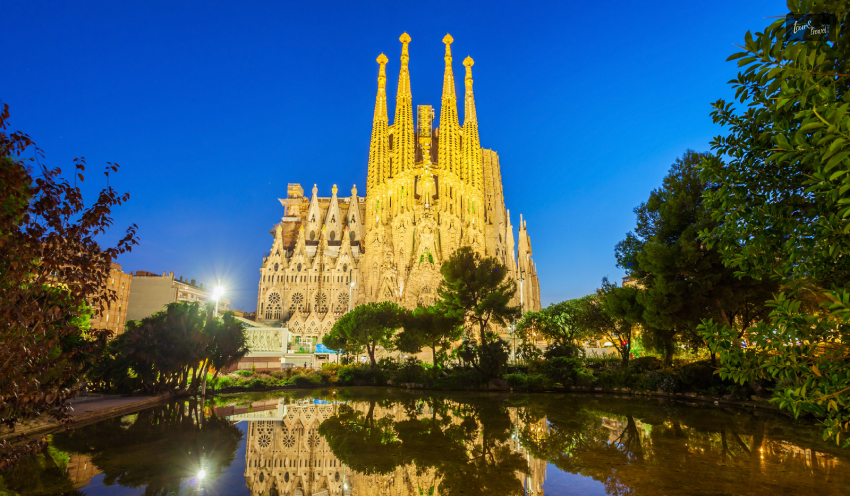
column 781, row 211
column 681, row 279
column 52, row 273
column 170, row 349
column 430, row 327
column 366, row 326
column 478, row 290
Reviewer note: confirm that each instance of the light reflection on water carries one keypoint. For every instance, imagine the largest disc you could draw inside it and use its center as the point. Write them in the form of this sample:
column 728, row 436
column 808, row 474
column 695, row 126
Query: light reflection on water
column 370, row 441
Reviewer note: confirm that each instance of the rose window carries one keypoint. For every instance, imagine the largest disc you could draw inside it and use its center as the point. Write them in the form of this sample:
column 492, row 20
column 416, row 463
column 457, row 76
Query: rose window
column 313, row 440
column 264, row 440
column 343, row 300
column 289, row 441
column 297, row 303
column 274, row 299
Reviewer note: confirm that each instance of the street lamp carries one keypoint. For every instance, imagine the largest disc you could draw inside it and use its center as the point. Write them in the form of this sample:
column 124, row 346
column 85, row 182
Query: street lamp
column 350, row 287
column 218, row 291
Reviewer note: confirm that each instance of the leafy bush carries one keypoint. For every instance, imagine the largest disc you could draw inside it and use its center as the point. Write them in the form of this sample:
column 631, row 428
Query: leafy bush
column 412, row 370
column 243, row 373
column 258, row 382
column 567, row 371
column 516, row 380
column 613, row 377
column 459, row 378
column 568, row 350
column 529, row 382
column 660, row 380
column 223, row 383
column 698, row 375
column 307, row 380
column 645, row 364
column 360, row 375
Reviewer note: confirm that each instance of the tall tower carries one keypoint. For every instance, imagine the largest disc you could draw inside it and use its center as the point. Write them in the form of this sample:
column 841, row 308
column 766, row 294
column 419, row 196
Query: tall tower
column 403, row 133
column 424, row 200
column 449, row 130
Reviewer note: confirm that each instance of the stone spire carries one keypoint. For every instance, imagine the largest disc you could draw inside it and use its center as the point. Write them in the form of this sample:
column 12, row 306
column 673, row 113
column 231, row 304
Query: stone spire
column 471, row 148
column 448, row 151
column 379, row 159
column 404, row 144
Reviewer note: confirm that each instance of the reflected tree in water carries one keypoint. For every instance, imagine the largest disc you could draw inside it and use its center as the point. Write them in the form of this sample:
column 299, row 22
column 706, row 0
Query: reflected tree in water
column 466, row 444
column 364, row 442
column 159, row 448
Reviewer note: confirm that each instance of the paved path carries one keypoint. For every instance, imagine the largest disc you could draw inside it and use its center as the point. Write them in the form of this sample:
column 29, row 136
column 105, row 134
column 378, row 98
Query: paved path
column 88, row 410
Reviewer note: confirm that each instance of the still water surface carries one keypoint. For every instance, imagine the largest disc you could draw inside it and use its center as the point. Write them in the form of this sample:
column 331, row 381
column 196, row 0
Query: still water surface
column 371, row 441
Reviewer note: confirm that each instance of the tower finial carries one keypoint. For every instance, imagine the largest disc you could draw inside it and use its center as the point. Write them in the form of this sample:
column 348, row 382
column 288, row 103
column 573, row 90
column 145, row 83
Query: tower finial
column 447, row 39
column 382, row 70
column 448, row 145
column 468, row 62
column 403, row 132
column 471, row 148
column 379, row 147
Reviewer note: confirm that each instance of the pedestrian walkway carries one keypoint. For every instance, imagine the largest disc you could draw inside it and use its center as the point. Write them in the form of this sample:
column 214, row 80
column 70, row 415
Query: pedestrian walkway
column 87, row 410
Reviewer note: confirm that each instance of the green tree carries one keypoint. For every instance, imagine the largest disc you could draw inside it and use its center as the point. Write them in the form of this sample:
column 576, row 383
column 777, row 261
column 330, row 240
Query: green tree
column 683, row 281
column 53, row 273
column 366, row 326
column 782, row 211
column 478, row 290
column 624, row 314
column 365, row 442
column 563, row 325
column 430, row 327
column 228, row 341
column 170, row 349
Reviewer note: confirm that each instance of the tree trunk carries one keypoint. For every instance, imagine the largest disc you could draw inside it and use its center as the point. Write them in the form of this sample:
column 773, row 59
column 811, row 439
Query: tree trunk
column 483, row 330
column 434, row 356
column 371, row 351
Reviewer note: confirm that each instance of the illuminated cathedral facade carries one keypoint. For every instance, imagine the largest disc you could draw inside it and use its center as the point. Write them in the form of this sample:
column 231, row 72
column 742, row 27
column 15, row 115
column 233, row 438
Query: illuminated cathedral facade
column 430, row 190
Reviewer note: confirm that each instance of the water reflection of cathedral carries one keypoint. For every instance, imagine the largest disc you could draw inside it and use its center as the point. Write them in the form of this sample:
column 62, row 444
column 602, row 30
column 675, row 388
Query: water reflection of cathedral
column 286, row 456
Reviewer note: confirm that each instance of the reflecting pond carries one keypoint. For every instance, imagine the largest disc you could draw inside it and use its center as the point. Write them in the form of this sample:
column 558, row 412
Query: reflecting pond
column 374, row 441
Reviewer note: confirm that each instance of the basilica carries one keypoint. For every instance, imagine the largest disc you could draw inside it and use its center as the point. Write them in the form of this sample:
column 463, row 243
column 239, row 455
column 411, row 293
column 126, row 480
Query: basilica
column 429, row 191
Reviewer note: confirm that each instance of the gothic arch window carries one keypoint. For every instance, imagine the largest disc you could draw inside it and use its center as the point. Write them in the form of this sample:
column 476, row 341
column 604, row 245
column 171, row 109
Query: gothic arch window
column 332, row 235
column 275, row 267
column 299, row 267
column 312, row 235
column 351, row 235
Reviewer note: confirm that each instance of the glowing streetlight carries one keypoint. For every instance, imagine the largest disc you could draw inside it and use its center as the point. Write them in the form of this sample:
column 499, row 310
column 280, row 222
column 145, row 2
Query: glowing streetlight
column 202, row 473
column 218, row 292
column 350, row 287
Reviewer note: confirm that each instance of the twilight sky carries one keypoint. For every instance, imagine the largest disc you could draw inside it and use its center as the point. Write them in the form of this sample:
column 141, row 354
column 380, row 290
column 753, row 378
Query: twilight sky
column 211, row 108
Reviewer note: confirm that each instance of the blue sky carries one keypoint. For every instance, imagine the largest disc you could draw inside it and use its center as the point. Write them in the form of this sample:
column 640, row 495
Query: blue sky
column 211, row 108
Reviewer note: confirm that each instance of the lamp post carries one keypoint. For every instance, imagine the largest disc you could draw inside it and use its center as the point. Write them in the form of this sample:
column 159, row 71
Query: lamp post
column 218, row 291
column 350, row 287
